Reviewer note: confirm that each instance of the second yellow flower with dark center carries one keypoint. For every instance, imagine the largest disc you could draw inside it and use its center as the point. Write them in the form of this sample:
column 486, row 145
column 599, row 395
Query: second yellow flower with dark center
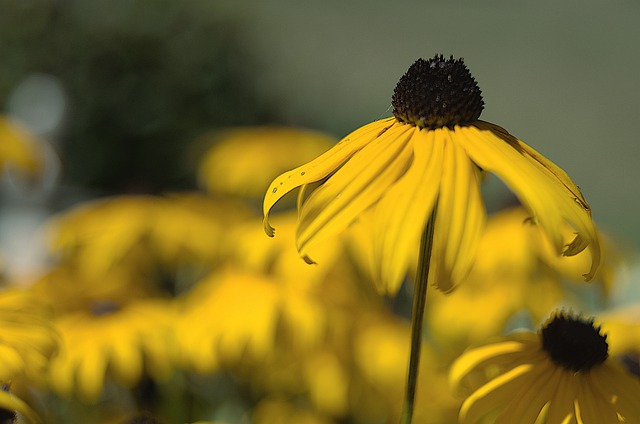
column 562, row 373
column 431, row 154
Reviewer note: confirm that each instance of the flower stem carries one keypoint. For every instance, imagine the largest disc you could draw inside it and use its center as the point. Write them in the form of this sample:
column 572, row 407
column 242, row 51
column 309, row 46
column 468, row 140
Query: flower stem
column 417, row 316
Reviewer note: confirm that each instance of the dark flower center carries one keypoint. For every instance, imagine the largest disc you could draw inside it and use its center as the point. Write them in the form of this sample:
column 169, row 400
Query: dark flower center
column 437, row 93
column 574, row 343
column 104, row 307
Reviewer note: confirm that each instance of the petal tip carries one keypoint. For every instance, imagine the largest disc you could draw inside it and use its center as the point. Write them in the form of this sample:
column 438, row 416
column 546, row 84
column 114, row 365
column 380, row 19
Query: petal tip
column 308, row 260
column 268, row 229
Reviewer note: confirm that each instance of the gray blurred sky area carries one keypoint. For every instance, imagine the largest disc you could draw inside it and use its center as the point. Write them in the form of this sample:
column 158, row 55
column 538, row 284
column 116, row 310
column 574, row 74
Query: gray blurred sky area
column 562, row 76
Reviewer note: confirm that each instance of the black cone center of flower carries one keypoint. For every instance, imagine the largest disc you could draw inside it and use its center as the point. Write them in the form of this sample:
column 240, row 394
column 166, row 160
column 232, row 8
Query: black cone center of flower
column 573, row 343
column 437, row 93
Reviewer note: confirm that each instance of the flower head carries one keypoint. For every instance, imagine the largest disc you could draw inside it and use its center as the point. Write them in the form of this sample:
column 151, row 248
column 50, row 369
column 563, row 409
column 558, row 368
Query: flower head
column 125, row 344
column 561, row 373
column 28, row 340
column 431, row 154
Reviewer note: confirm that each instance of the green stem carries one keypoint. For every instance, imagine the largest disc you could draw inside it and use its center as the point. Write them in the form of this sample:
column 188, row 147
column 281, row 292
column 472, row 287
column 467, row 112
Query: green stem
column 417, row 316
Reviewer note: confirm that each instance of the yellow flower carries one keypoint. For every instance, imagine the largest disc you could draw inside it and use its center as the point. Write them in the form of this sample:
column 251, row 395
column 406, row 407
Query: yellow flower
column 138, row 232
column 235, row 165
column 562, row 374
column 431, row 154
column 277, row 411
column 27, row 338
column 123, row 344
column 27, row 343
column 238, row 315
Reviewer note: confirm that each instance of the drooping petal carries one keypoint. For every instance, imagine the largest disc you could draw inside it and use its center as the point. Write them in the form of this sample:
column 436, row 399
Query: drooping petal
column 552, row 171
column 352, row 189
column 322, row 166
column 546, row 198
column 400, row 216
column 461, row 216
column 543, row 163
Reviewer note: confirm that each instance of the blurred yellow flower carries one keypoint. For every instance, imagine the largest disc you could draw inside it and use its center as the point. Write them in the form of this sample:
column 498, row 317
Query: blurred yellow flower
column 65, row 288
column 236, row 315
column 119, row 343
column 431, row 154
column 27, row 340
column 562, row 374
column 18, row 148
column 140, row 232
column 277, row 411
column 236, row 164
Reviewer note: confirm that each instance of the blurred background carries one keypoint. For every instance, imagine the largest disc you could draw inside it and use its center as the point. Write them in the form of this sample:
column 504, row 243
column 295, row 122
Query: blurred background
column 121, row 89
column 121, row 96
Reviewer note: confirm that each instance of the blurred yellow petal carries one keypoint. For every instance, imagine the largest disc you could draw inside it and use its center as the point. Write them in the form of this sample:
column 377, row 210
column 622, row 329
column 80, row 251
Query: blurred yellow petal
column 28, row 339
column 90, row 376
column 277, row 411
column 119, row 345
column 328, row 383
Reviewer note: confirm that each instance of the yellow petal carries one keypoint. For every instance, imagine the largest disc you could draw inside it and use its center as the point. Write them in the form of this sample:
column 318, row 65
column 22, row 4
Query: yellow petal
column 322, row 166
column 126, row 361
column 476, row 357
column 460, row 219
column 561, row 409
column 536, row 390
column 494, row 394
column 594, row 408
column 545, row 197
column 401, row 214
column 90, row 375
column 356, row 186
column 619, row 388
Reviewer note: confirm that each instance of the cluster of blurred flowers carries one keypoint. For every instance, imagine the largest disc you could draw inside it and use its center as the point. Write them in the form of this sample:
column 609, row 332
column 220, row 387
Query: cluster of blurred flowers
column 177, row 308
